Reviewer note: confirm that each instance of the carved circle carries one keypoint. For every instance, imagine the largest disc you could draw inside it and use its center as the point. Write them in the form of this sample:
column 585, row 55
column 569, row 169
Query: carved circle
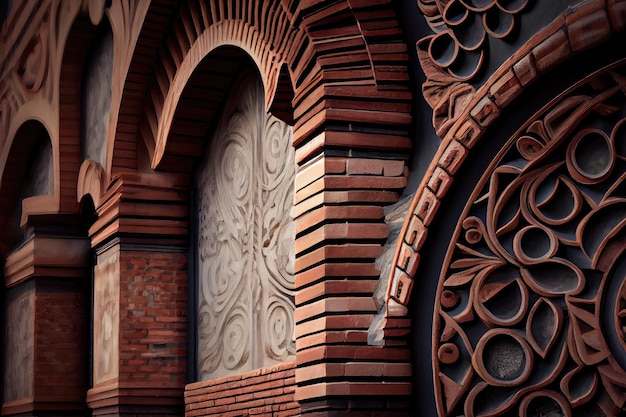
column 454, row 13
column 590, row 156
column 280, row 327
column 554, row 199
column 450, row 299
column 503, row 358
column 534, row 243
column 235, row 341
column 443, row 49
column 544, row 403
column 448, row 353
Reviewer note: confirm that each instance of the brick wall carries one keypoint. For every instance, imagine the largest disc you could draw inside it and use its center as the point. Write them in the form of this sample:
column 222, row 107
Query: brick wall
column 153, row 318
column 61, row 341
column 267, row 391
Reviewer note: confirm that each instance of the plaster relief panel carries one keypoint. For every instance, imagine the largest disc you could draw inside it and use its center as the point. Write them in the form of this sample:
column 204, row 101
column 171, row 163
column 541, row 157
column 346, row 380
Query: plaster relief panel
column 106, row 317
column 97, row 98
column 19, row 342
column 245, row 239
column 530, row 309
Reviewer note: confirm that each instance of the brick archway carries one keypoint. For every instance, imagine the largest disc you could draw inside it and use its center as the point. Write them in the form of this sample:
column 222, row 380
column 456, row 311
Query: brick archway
column 338, row 70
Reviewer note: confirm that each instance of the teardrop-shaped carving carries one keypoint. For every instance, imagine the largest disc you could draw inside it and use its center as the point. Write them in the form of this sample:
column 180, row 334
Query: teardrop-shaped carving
column 485, row 400
column 498, row 23
column 529, row 146
column 543, row 325
column 544, row 403
column 579, row 385
column 443, row 49
column 554, row 277
column 501, row 303
column 590, row 156
column 600, row 225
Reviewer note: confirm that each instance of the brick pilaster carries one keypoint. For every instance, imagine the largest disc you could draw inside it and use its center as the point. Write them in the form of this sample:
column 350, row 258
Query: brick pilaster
column 45, row 345
column 140, row 300
column 340, row 232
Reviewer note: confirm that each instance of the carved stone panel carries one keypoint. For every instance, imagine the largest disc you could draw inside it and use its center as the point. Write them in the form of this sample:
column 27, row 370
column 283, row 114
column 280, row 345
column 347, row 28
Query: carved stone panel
column 19, row 343
column 106, row 308
column 245, row 239
column 530, row 308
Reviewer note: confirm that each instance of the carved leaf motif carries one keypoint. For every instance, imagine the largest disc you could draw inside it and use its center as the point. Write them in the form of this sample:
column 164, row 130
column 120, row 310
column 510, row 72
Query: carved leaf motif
column 601, row 225
column 579, row 385
column 463, row 277
column 543, row 325
column 554, row 277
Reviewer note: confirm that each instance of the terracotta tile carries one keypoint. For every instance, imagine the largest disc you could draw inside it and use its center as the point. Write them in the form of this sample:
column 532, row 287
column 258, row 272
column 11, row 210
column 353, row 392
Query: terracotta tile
column 485, row 111
column 453, row 156
column 505, row 89
column 427, row 206
column 588, row 26
column 468, row 132
column 440, row 182
column 525, row 69
column 552, row 51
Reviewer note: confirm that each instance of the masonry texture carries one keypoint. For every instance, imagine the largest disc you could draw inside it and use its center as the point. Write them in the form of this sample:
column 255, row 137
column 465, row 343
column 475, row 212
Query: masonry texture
column 201, row 204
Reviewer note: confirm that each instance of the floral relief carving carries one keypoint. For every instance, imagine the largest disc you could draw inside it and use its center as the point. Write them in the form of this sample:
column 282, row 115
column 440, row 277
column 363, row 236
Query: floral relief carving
column 530, row 317
column 246, row 240
column 106, row 307
column 456, row 52
column 19, row 333
column 461, row 28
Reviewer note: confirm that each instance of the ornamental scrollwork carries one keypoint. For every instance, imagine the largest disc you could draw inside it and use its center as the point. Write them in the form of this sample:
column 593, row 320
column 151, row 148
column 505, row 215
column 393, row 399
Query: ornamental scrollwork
column 246, row 238
column 456, row 51
column 531, row 307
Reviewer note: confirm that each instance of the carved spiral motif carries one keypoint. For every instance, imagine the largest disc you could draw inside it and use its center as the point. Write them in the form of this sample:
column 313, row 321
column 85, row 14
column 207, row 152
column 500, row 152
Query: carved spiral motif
column 245, row 240
column 532, row 312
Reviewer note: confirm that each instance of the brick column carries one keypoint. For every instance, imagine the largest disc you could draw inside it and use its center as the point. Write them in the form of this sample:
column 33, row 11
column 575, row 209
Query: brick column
column 140, row 300
column 45, row 344
column 340, row 233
